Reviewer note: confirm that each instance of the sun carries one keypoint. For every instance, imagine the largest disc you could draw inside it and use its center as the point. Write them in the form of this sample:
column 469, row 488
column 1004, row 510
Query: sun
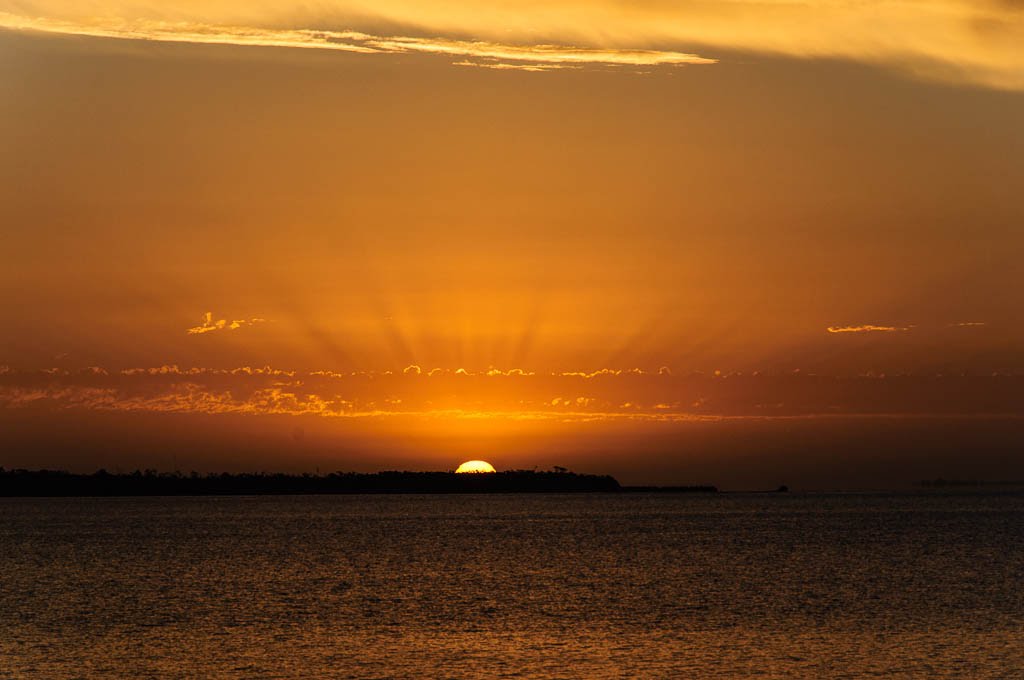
column 475, row 466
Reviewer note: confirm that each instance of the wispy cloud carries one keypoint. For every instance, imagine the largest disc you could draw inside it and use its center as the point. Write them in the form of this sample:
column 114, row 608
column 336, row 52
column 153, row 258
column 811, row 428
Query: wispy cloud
column 190, row 32
column 175, row 370
column 871, row 328
column 503, row 66
column 868, row 328
column 497, row 393
column 959, row 41
column 210, row 325
column 493, row 55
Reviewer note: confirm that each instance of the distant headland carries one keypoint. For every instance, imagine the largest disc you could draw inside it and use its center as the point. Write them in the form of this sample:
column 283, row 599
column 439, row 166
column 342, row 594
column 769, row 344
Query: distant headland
column 152, row 483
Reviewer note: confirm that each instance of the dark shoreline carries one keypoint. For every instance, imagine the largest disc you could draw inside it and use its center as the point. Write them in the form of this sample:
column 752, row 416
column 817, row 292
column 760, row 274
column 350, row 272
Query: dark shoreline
column 51, row 483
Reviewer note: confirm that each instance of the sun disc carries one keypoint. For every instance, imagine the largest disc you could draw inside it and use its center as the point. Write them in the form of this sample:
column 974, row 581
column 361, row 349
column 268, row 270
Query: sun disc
column 475, row 466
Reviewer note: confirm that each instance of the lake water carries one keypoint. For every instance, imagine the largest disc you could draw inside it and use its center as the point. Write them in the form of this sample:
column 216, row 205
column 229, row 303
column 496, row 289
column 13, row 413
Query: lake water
column 587, row 586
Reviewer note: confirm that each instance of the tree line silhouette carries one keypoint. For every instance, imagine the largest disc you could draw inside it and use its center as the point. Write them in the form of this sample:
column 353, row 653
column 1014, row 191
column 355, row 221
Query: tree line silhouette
column 153, row 483
column 20, row 482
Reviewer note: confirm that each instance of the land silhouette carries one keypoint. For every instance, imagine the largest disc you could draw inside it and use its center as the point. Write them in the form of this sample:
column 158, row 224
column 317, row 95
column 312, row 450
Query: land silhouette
column 21, row 482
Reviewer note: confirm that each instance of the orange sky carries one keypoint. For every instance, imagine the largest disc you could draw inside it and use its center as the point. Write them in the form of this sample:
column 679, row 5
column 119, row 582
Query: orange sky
column 540, row 190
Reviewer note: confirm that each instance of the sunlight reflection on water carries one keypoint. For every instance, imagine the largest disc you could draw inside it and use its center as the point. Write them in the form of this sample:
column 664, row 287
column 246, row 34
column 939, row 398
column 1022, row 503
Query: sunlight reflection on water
column 513, row 586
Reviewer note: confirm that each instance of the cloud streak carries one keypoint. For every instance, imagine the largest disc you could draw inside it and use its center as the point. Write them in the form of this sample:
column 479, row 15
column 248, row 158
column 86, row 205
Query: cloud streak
column 868, row 328
column 959, row 41
column 209, row 325
column 504, row 394
column 492, row 55
column 871, row 328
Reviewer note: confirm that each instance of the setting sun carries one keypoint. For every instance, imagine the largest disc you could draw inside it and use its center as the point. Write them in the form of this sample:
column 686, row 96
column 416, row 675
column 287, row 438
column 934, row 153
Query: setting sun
column 475, row 466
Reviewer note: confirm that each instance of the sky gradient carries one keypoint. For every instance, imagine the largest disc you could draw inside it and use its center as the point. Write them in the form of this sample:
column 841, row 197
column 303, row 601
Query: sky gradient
column 646, row 238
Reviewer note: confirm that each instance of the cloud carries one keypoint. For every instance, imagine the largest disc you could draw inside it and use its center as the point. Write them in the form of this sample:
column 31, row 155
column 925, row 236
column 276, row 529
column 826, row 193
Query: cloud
column 502, row 66
column 558, row 55
column 960, row 41
column 570, row 396
column 209, row 325
column 610, row 372
column 868, row 329
column 510, row 372
column 493, row 55
column 175, row 370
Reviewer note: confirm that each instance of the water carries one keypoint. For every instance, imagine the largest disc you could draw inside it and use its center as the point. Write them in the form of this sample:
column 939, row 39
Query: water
column 587, row 586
